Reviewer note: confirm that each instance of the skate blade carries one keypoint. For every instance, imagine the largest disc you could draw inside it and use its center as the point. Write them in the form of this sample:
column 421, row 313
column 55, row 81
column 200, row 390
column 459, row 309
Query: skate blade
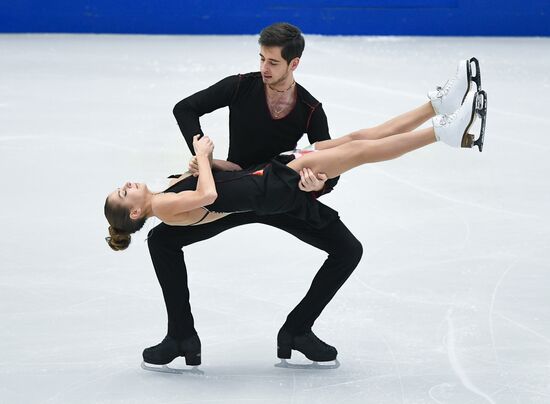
column 314, row 365
column 481, row 111
column 469, row 74
column 477, row 78
column 166, row 369
column 467, row 138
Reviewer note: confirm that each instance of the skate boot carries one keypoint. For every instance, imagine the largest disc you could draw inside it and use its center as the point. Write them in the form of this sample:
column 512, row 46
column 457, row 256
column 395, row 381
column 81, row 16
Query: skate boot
column 308, row 344
column 449, row 98
column 453, row 129
column 168, row 350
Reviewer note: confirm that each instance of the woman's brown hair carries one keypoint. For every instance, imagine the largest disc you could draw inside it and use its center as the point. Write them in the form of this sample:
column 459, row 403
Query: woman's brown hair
column 121, row 225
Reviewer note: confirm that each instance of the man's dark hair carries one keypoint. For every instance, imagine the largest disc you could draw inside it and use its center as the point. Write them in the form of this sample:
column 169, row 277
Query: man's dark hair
column 285, row 35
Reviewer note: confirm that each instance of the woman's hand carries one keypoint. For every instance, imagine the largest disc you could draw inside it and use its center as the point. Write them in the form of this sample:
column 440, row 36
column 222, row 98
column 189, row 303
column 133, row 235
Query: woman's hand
column 203, row 146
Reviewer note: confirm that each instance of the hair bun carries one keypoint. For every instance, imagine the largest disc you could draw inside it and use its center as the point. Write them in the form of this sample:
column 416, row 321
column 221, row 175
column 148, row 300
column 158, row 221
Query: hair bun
column 118, row 240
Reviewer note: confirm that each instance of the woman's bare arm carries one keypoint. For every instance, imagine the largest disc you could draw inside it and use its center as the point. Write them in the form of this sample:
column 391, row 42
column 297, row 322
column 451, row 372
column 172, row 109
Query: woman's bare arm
column 166, row 206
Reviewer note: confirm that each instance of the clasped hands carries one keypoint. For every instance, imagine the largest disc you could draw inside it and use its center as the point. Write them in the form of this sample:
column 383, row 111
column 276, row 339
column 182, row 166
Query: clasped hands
column 309, row 182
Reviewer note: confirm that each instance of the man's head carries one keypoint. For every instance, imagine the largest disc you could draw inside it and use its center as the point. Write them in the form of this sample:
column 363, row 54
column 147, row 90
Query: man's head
column 281, row 46
column 285, row 36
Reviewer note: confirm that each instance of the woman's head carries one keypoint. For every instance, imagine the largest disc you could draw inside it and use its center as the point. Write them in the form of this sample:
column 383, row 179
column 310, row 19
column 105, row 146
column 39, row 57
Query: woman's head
column 124, row 210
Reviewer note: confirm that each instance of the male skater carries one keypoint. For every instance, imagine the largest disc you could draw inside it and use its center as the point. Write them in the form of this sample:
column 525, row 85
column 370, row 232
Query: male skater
column 269, row 113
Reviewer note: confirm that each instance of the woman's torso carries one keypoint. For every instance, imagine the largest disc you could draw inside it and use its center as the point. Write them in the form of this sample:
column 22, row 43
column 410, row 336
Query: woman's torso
column 237, row 192
column 266, row 189
column 196, row 216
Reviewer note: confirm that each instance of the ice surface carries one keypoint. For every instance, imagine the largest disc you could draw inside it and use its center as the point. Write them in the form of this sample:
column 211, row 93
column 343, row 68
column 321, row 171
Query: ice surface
column 450, row 303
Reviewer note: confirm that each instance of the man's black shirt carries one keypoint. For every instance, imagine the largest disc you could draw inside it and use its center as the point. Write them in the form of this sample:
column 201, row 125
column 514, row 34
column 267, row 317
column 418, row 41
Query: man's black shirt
column 255, row 136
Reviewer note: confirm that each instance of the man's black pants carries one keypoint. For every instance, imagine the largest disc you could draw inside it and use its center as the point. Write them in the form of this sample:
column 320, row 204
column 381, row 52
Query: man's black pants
column 166, row 243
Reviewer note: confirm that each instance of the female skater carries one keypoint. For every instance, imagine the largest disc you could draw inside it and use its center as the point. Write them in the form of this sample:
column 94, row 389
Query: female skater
column 272, row 188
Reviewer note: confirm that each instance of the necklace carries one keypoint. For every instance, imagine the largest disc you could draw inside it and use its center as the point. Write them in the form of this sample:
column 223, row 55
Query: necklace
column 278, row 105
column 283, row 91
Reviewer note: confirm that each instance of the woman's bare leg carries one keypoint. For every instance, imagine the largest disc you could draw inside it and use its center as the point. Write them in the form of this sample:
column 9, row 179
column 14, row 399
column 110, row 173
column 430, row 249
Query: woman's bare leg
column 339, row 159
column 400, row 124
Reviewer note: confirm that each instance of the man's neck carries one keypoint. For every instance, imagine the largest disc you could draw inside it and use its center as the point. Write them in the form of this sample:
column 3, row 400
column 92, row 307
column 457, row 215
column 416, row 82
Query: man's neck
column 284, row 85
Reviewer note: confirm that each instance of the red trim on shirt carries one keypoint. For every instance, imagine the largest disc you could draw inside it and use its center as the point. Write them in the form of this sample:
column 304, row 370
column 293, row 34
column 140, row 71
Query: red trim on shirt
column 310, row 114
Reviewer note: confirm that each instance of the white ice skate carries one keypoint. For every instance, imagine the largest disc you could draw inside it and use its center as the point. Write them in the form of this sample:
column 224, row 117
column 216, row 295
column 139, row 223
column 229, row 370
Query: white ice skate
column 449, row 98
column 453, row 129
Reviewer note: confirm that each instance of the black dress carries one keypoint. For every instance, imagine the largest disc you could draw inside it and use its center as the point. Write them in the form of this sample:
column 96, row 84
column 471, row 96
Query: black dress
column 266, row 189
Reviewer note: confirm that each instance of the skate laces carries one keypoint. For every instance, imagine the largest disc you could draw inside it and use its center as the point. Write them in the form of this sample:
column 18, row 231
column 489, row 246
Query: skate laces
column 443, row 91
column 445, row 120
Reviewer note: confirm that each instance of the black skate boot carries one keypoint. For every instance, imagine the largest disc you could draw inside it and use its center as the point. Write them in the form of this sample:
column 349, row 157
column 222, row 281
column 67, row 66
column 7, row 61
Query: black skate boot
column 310, row 345
column 168, row 350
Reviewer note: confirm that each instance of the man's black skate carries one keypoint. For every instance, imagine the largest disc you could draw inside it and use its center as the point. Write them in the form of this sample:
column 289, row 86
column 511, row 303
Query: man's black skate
column 308, row 344
column 168, row 350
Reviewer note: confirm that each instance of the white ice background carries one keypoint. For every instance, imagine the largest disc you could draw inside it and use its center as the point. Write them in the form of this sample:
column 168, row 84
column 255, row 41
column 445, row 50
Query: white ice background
column 450, row 303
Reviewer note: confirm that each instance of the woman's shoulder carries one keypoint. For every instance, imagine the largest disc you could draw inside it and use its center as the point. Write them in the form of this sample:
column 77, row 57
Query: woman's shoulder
column 163, row 206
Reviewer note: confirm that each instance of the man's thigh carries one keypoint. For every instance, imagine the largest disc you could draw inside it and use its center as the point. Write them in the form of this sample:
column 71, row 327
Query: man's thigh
column 180, row 236
column 334, row 238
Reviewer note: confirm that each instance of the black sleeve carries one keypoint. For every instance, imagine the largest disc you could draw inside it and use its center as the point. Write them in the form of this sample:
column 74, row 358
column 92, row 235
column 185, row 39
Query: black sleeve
column 317, row 130
column 189, row 110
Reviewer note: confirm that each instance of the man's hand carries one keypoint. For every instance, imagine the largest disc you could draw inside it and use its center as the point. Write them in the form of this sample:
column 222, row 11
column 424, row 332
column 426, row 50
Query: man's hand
column 310, row 182
column 217, row 165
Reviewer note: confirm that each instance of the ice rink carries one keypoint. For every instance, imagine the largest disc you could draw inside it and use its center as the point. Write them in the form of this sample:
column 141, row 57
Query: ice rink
column 449, row 304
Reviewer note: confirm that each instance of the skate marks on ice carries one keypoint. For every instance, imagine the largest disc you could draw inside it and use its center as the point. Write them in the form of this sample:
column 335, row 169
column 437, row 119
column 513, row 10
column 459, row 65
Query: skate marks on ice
column 444, row 197
column 450, row 345
column 167, row 369
column 306, row 366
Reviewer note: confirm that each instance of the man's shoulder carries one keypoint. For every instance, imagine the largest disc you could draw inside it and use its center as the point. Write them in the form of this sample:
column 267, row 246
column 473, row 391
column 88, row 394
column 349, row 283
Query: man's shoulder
column 240, row 78
column 248, row 82
column 306, row 97
column 252, row 76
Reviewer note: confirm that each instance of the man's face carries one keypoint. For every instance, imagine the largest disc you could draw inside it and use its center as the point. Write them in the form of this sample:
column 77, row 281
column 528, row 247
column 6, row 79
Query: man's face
column 274, row 68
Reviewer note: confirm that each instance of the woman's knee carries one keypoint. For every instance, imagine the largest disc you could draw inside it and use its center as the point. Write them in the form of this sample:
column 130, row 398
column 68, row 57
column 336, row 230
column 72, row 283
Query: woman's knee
column 367, row 134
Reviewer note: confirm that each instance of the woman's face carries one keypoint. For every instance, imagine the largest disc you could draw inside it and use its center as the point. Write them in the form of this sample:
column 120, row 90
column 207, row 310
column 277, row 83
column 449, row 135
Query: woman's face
column 131, row 195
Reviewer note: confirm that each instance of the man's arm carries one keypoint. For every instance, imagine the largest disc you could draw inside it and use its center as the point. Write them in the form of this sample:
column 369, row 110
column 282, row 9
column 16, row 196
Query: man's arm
column 317, row 130
column 189, row 110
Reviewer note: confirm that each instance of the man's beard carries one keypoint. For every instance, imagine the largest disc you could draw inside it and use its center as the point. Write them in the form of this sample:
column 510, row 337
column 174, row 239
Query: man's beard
column 282, row 79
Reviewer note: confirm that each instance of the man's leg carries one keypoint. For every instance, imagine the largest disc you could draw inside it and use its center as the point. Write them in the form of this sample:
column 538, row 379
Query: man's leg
column 165, row 247
column 345, row 252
